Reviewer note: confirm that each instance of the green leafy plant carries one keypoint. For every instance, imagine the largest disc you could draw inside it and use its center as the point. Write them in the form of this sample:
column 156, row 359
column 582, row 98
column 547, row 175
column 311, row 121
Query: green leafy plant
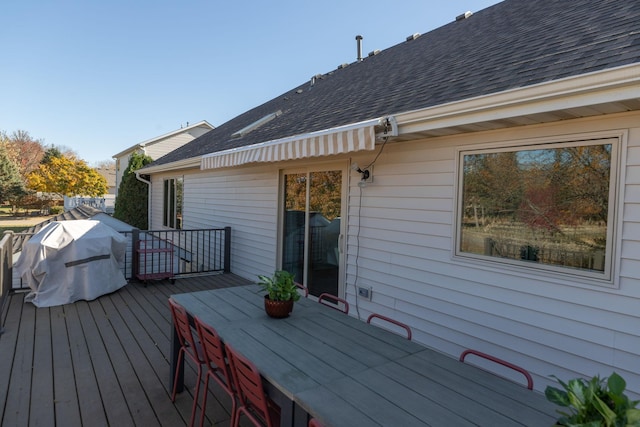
column 280, row 287
column 594, row 403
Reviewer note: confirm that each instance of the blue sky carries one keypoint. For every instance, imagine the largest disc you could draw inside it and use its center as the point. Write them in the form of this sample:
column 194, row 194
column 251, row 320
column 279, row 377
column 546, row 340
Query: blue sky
column 100, row 76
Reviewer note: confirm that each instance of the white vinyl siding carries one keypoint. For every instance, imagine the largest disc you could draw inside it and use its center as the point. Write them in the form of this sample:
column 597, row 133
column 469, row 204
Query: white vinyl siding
column 549, row 326
column 158, row 149
column 401, row 228
column 246, row 201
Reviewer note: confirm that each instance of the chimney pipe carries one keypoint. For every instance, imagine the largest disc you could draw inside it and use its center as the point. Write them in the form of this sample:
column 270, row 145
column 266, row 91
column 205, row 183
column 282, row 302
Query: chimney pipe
column 359, row 43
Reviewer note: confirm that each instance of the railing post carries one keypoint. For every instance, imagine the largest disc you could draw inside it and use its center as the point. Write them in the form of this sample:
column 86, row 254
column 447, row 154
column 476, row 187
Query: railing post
column 135, row 259
column 6, row 271
column 227, row 249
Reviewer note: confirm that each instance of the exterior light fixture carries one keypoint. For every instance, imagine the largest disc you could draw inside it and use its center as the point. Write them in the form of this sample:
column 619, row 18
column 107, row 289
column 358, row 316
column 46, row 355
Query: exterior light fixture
column 364, row 173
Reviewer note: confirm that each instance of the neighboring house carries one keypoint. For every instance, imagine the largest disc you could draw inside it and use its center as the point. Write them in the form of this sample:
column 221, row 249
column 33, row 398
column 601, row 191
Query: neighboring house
column 500, row 206
column 159, row 146
column 109, row 173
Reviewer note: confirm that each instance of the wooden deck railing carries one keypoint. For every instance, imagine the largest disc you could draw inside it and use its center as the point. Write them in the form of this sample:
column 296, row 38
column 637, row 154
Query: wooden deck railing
column 171, row 253
column 191, row 252
column 6, row 256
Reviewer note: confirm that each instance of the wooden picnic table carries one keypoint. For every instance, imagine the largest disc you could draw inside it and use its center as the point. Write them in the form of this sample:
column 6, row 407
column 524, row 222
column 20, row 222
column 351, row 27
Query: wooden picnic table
column 324, row 364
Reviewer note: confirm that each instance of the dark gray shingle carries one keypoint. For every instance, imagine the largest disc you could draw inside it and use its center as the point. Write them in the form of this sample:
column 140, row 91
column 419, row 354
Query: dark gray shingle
column 512, row 44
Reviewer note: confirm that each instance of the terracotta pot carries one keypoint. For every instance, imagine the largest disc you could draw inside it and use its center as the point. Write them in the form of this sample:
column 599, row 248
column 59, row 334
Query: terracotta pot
column 277, row 309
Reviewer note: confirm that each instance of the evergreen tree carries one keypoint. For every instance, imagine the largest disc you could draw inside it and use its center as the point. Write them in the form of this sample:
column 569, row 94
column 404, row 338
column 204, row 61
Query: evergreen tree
column 133, row 195
column 11, row 185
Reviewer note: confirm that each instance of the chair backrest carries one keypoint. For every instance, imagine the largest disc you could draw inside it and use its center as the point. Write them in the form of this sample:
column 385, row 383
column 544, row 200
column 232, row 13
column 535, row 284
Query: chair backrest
column 390, row 320
column 213, row 350
column 248, row 384
column 181, row 323
column 502, row 362
column 334, row 303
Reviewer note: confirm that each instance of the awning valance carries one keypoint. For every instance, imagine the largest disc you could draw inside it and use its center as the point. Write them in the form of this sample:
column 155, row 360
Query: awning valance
column 344, row 139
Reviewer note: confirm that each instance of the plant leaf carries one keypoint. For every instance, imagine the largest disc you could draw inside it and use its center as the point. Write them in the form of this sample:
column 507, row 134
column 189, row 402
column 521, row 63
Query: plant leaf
column 607, row 414
column 616, row 383
column 633, row 417
column 556, row 396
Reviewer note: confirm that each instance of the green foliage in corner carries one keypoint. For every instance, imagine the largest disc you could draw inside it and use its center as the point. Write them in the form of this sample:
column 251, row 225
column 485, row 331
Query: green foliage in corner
column 594, row 403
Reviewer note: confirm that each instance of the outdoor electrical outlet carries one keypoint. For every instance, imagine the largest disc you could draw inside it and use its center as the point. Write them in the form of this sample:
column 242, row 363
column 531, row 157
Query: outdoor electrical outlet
column 364, row 292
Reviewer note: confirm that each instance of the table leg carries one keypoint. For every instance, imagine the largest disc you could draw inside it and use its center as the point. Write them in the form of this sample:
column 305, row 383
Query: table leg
column 285, row 404
column 175, row 350
column 300, row 417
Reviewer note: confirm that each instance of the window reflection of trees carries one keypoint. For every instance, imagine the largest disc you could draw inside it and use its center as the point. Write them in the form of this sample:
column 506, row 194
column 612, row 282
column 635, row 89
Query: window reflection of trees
column 547, row 205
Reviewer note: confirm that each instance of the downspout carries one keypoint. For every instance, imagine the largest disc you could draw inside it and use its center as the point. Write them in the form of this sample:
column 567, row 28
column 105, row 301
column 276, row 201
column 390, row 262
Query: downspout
column 146, row 181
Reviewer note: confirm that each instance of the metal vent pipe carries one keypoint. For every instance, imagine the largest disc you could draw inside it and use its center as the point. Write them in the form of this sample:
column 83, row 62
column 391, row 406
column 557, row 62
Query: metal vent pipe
column 359, row 43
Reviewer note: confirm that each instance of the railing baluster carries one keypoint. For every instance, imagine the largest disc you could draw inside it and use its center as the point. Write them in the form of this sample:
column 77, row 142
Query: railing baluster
column 206, row 250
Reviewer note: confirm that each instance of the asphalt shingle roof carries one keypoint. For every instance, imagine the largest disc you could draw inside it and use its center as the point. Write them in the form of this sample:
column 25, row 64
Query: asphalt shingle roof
column 513, row 44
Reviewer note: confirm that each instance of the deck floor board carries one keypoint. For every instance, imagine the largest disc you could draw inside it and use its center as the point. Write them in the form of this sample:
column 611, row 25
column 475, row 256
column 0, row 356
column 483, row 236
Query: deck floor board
column 99, row 363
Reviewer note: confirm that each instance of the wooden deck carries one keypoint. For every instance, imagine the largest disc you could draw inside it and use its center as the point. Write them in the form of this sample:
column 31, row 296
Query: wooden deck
column 99, row 363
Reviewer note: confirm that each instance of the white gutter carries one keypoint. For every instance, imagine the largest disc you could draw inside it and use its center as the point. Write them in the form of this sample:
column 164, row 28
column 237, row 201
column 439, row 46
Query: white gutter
column 193, row 162
column 615, row 84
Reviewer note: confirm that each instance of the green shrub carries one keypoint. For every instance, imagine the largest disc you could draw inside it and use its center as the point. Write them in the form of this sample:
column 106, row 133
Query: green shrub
column 55, row 210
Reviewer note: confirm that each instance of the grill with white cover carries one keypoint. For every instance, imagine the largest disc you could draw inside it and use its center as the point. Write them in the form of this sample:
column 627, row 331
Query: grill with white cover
column 68, row 261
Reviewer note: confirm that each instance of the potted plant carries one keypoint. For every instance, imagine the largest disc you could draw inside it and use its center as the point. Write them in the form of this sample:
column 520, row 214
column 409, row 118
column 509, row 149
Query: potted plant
column 281, row 293
column 594, row 403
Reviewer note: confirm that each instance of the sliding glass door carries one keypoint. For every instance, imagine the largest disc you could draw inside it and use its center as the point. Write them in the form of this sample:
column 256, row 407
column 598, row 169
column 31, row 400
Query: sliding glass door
column 312, row 210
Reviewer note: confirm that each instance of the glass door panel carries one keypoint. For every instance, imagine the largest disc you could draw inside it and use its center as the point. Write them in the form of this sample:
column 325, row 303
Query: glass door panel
column 325, row 195
column 311, row 229
column 294, row 225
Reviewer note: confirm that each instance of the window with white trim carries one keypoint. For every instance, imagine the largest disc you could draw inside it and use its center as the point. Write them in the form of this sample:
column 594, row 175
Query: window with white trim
column 547, row 206
column 172, row 203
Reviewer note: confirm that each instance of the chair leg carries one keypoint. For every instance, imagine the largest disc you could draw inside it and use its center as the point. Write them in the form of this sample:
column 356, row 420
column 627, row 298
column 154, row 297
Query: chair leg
column 205, row 392
column 175, row 377
column 234, row 409
column 194, row 408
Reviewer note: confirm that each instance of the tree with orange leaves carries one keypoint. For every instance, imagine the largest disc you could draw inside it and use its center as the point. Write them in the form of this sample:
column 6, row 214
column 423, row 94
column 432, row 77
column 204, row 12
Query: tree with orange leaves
column 66, row 176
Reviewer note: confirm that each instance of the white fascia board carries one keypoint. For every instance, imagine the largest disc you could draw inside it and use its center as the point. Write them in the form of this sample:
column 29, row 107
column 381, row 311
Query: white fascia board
column 615, row 84
column 191, row 163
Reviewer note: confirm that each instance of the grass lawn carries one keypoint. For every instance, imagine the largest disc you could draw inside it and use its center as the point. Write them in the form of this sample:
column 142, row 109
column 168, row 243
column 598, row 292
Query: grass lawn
column 14, row 228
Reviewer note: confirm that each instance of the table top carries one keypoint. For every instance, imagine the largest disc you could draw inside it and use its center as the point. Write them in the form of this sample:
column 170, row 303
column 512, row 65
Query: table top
column 344, row 371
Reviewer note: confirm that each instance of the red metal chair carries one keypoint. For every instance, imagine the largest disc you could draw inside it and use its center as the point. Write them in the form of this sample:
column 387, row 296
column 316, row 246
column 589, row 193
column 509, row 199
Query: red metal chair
column 188, row 346
column 303, row 288
column 253, row 401
column 501, row 362
column 217, row 367
column 334, row 303
column 390, row 320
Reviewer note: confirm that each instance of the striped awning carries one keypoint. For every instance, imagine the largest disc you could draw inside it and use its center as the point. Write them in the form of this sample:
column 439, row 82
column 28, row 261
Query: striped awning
column 344, row 139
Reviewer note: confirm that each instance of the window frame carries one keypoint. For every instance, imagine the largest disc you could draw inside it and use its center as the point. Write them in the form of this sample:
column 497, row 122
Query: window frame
column 609, row 276
column 171, row 206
